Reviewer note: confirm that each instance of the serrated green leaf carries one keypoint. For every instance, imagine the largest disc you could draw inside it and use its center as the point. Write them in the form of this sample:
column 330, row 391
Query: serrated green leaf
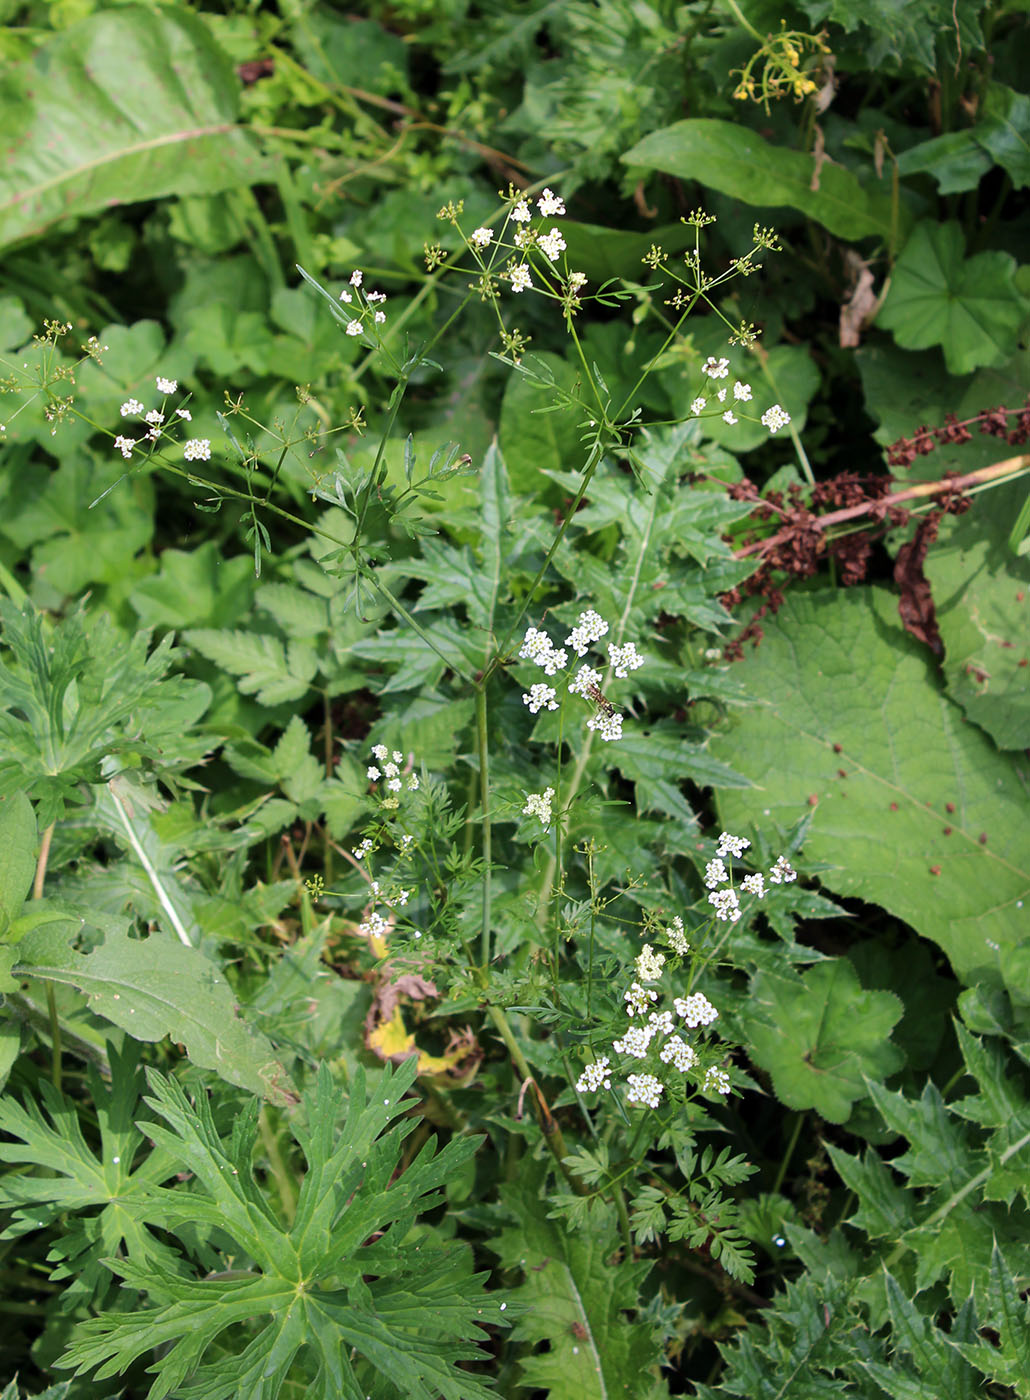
column 343, row 1282
column 69, row 1177
column 1007, row 1314
column 877, row 754
column 971, row 307
column 819, row 1034
column 982, row 593
column 268, row 670
column 1004, row 131
column 575, row 1304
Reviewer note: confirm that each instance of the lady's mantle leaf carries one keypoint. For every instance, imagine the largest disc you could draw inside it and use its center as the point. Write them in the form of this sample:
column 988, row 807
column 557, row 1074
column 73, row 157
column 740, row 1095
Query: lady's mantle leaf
column 971, row 307
column 912, row 807
column 820, row 1034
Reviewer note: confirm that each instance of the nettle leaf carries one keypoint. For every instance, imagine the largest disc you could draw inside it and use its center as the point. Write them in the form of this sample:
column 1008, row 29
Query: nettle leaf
column 157, row 987
column 342, row 1298
column 129, row 105
column 982, row 595
column 101, row 1194
column 907, row 34
column 1003, row 130
column 581, row 1341
column 738, row 162
column 925, row 1364
column 819, row 1034
column 912, row 808
column 1008, row 1363
column 971, row 307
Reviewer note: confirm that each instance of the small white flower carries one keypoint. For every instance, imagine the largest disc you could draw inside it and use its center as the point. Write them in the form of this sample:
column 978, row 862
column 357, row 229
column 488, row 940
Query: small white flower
column 533, row 643
column 608, row 726
column 698, row 406
column 716, row 874
column 364, row 849
column 726, row 905
column 551, row 661
column 523, row 238
column 539, row 696
column 715, row 369
column 638, row 999
column 695, row 1010
column 482, row 238
column 353, row 328
column 729, row 417
column 394, row 784
column 644, row 1088
column 624, row 659
column 754, row 884
column 125, row 446
column 742, row 392
column 577, row 281
column 677, row 938
column 649, row 964
column 539, row 805
column 782, row 872
column 731, row 845
column 131, row 406
column 166, row 386
column 590, row 627
column 715, row 1081
column 185, row 415
column 587, row 679
column 634, row 1042
column 775, row 418
column 520, row 278
column 660, row 1023
column 197, row 450
column 721, row 395
column 355, row 277
column 374, row 297
column 551, row 244
column 595, row 1076
column 155, row 418
column 379, row 317
column 678, row 1053
column 373, row 774
column 521, row 213
column 346, row 297
column 412, row 782
column 380, row 751
column 550, row 204
column 374, row 926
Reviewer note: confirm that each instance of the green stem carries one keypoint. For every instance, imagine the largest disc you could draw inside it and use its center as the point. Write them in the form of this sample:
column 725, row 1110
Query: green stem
column 278, row 1168
column 482, row 740
column 799, row 1119
column 56, row 1069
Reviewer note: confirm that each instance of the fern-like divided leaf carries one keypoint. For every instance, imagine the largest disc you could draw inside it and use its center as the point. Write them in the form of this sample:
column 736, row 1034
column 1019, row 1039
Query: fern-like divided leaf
column 343, row 1300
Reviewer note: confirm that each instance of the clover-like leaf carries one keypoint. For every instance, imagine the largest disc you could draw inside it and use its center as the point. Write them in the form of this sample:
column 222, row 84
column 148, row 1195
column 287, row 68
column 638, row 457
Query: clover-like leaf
column 971, row 307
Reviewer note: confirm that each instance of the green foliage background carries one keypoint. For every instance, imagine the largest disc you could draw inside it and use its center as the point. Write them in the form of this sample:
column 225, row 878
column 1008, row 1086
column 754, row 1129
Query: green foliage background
column 211, row 1185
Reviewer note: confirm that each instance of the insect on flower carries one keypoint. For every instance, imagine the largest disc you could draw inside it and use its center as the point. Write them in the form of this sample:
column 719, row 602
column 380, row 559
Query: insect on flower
column 600, row 700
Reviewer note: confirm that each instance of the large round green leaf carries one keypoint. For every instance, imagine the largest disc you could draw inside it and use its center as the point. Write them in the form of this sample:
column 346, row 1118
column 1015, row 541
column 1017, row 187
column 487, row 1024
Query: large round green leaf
column 131, row 104
column 970, row 307
column 912, row 807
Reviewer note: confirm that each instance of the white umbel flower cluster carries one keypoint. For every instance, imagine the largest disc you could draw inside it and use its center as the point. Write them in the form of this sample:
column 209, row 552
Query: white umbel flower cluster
column 590, row 627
